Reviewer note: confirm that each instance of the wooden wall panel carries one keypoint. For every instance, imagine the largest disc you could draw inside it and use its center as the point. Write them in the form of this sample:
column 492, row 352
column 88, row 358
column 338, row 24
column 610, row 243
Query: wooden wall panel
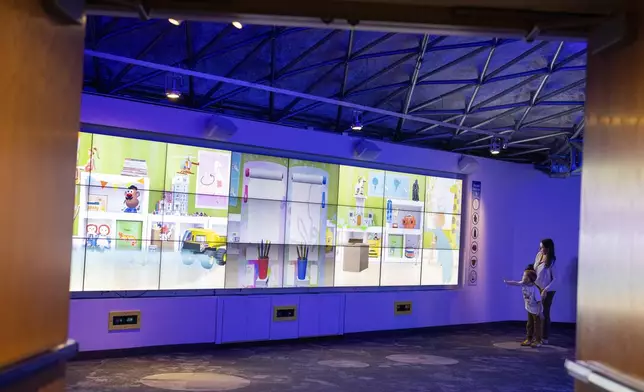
column 610, row 320
column 40, row 81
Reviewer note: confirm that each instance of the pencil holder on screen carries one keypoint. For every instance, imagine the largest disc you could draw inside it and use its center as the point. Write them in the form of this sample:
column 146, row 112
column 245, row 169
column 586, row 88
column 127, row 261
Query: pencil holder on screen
column 301, row 269
column 262, row 268
column 263, row 249
column 302, row 260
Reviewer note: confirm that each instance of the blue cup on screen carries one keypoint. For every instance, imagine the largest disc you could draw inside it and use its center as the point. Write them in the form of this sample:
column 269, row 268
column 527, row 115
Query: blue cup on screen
column 301, row 269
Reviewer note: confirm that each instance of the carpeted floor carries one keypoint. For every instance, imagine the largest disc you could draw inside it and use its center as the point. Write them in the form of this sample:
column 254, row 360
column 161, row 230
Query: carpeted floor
column 460, row 359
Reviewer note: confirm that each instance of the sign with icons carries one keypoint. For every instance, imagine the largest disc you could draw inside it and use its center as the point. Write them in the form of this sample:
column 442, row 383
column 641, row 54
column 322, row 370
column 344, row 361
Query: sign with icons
column 473, row 277
column 475, row 233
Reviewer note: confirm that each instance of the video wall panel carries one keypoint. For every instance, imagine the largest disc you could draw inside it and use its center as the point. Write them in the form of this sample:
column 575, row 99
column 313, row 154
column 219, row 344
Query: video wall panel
column 158, row 216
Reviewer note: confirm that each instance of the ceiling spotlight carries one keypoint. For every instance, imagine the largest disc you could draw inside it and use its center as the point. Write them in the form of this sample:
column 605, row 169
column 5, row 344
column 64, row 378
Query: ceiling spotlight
column 173, row 94
column 238, row 25
column 173, row 85
column 175, row 22
column 356, row 125
column 496, row 145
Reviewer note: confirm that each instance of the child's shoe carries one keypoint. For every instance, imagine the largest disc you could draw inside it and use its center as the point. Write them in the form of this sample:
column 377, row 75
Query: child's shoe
column 526, row 343
column 536, row 344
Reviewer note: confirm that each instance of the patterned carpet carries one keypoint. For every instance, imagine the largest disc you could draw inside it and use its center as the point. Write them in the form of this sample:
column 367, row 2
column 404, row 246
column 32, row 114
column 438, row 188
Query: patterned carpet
column 447, row 360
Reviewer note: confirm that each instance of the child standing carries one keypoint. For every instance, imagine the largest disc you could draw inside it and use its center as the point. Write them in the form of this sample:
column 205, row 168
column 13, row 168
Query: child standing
column 532, row 299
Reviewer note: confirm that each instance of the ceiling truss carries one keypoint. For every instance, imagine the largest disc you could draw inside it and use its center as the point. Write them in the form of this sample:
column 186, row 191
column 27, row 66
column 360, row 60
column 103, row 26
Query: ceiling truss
column 418, row 109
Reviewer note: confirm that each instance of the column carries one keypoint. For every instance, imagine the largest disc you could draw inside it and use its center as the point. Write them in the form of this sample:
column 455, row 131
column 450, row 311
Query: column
column 40, row 85
column 610, row 316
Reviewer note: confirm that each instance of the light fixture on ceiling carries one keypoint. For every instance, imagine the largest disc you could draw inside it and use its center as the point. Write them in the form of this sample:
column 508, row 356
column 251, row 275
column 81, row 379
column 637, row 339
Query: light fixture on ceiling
column 173, row 85
column 356, row 125
column 496, row 145
column 238, row 25
column 175, row 22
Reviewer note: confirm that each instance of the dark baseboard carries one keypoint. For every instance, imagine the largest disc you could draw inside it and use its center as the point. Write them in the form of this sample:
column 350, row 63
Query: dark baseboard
column 189, row 348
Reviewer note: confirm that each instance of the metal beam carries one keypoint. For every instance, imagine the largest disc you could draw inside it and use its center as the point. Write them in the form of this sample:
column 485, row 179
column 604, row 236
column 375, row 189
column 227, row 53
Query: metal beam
column 147, row 49
column 93, row 28
column 553, row 116
column 414, row 77
column 271, row 37
column 481, row 105
column 537, row 121
column 271, row 96
column 481, row 79
column 204, row 56
column 476, row 126
column 439, row 98
column 330, row 71
column 562, row 90
column 515, row 60
column 501, row 18
column 287, row 110
column 535, row 96
column 526, row 152
column 280, row 73
column 343, row 86
column 330, row 101
column 190, row 55
column 577, row 129
column 515, row 142
column 442, row 68
column 535, row 138
column 137, row 25
column 431, row 127
column 421, row 79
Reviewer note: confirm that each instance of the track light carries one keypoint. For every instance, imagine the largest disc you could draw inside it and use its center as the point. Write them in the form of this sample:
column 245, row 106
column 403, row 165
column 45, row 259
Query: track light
column 172, row 86
column 175, row 22
column 237, row 25
column 356, row 125
column 496, row 145
column 173, row 94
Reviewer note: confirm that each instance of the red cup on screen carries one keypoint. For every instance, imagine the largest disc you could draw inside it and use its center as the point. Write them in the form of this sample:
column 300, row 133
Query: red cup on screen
column 262, row 268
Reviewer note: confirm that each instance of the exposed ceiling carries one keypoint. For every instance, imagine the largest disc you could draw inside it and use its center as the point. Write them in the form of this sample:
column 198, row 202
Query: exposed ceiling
column 529, row 93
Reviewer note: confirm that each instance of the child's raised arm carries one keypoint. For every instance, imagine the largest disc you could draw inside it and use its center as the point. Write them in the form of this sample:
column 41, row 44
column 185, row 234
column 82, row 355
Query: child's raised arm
column 512, row 282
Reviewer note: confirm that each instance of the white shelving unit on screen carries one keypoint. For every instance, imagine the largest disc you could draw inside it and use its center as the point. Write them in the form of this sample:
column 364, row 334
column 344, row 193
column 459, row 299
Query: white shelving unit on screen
column 102, row 199
column 102, row 207
column 346, row 233
column 408, row 248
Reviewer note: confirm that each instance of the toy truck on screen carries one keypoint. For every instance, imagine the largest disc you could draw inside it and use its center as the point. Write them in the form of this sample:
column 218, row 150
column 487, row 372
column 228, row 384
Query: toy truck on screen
column 203, row 245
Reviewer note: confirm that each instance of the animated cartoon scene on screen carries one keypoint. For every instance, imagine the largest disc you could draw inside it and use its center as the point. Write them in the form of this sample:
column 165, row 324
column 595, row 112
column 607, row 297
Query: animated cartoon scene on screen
column 158, row 216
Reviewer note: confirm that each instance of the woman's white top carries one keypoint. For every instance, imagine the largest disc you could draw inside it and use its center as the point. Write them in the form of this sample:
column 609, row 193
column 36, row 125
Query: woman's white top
column 546, row 277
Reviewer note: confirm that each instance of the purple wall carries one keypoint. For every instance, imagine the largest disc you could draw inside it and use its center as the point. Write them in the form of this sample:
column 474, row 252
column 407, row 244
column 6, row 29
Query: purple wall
column 520, row 206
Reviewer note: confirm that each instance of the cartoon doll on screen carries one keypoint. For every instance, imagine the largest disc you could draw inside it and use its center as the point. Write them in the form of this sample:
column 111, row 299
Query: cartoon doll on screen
column 103, row 242
column 132, row 203
column 92, row 236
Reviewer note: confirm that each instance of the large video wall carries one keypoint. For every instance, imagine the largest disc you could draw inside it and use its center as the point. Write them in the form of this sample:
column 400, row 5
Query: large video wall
column 158, row 216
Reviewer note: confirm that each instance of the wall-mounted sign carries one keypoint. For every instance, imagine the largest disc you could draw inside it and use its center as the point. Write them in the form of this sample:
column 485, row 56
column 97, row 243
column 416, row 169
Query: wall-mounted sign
column 473, row 277
column 475, row 233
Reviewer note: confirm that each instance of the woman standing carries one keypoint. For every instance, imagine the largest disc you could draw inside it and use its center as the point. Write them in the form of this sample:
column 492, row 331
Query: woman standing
column 544, row 264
